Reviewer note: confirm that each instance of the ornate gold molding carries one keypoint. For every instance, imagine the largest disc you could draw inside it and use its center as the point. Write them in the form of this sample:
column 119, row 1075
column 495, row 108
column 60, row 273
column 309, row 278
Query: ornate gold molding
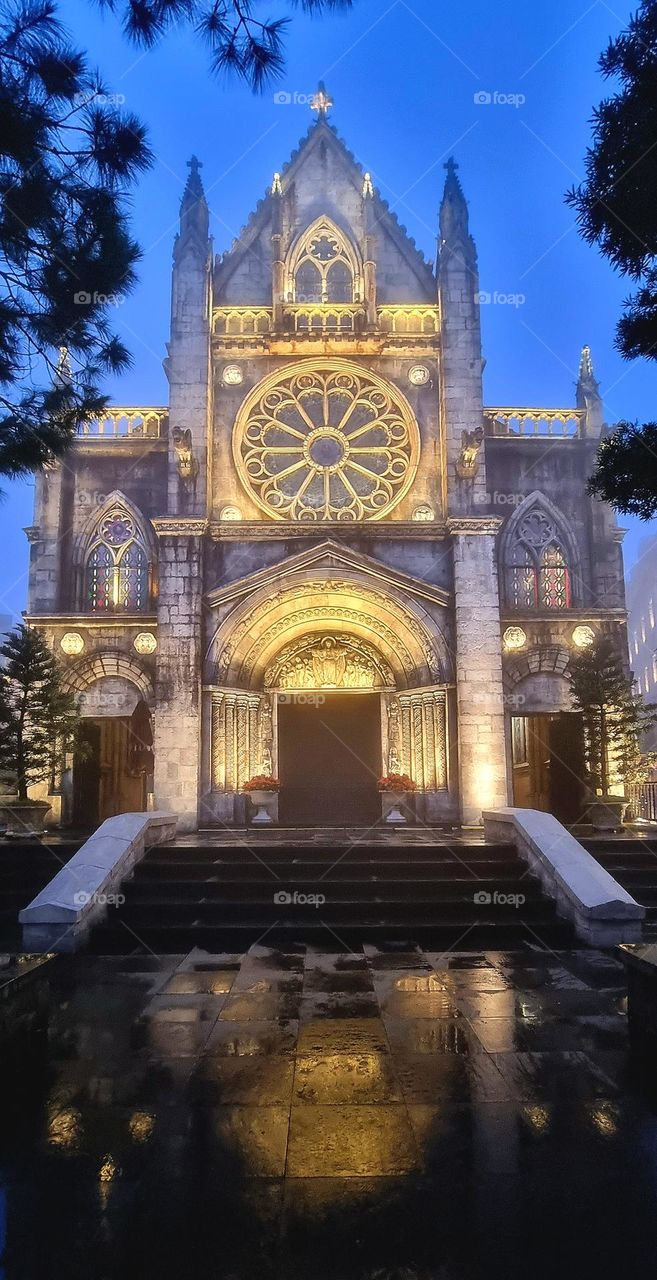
column 460, row 526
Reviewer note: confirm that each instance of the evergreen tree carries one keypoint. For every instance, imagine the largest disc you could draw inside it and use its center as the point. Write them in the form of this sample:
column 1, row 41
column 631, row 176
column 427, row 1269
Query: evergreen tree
column 614, row 715
column 38, row 718
column 238, row 42
column 615, row 205
column 68, row 154
column 616, row 211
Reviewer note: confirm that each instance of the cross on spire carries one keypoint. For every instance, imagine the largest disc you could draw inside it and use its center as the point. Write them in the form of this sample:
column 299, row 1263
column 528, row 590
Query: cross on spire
column 321, row 101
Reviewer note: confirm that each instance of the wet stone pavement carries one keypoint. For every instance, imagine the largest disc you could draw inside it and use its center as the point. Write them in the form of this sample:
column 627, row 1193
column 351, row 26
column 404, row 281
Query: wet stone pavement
column 318, row 1115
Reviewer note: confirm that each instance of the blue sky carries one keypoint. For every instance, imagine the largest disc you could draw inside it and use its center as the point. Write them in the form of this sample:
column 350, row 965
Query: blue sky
column 405, row 79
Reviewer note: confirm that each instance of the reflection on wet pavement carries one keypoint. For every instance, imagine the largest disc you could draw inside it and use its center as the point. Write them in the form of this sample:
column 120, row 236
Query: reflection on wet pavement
column 324, row 1115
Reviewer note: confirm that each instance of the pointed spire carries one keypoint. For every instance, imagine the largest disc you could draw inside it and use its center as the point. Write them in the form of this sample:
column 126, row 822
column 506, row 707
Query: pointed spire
column 454, row 221
column 368, row 189
column 587, row 394
column 194, row 214
column 321, row 101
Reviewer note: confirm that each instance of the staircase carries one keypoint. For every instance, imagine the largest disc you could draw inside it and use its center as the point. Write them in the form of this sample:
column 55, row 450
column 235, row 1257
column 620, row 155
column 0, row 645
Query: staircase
column 633, row 862
column 25, row 867
column 226, row 897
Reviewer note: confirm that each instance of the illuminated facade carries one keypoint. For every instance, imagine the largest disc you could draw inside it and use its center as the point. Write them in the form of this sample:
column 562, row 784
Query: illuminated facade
column 324, row 511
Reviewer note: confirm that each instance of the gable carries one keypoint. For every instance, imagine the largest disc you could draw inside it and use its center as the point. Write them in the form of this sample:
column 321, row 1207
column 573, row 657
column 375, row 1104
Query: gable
column 322, row 178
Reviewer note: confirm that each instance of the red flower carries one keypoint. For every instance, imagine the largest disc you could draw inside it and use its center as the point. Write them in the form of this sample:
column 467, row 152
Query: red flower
column 397, row 782
column 262, row 782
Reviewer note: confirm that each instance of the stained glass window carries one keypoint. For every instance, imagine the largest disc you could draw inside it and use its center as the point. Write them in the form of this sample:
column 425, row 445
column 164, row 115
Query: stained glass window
column 554, row 580
column 537, row 573
column 117, row 569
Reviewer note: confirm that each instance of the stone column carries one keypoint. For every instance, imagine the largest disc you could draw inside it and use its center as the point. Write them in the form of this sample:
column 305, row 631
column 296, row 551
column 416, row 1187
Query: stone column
column 177, row 720
column 44, row 536
column 480, row 695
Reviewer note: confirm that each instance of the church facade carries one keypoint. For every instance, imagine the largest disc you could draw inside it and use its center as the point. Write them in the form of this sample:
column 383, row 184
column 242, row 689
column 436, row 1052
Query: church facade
column 325, row 559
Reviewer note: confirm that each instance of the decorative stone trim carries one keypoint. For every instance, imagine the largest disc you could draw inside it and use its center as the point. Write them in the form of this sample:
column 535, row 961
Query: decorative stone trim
column 284, row 530
column 63, row 914
column 552, row 659
column 109, row 663
column 602, row 912
column 174, row 527
column 460, row 526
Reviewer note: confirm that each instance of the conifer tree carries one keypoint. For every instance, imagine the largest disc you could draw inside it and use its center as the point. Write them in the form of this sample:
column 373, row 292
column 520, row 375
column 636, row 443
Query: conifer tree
column 614, row 714
column 68, row 156
column 38, row 718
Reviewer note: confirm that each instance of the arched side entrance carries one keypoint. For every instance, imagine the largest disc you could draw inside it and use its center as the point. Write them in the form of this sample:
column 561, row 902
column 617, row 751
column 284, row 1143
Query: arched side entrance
column 113, row 768
column 546, row 735
column 328, row 685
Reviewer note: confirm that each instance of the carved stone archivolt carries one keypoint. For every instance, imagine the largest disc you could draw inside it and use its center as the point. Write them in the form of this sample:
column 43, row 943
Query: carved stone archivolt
column 404, row 640
column 328, row 662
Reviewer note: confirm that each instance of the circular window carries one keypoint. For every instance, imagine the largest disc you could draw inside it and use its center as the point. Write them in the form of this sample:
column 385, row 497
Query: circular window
column 326, row 440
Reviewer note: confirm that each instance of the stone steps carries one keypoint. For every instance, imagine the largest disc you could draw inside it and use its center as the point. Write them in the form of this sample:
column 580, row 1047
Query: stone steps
column 633, row 863
column 223, row 898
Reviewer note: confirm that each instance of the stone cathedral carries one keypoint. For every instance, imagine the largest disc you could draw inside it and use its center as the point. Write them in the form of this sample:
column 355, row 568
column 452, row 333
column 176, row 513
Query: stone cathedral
column 326, row 558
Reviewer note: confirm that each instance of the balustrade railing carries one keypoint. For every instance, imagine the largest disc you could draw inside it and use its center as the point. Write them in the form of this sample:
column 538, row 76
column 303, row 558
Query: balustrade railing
column 119, row 423
column 411, row 321
column 241, row 322
column 322, row 318
column 561, row 424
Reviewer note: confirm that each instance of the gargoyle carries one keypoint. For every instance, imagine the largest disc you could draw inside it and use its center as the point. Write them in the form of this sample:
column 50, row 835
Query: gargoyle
column 468, row 460
column 186, row 462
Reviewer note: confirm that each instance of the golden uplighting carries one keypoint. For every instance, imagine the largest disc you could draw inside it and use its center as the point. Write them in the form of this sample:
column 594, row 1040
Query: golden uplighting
column 514, row 638
column 583, row 637
column 141, row 1126
column 65, row 1128
column 537, row 1117
column 145, row 642
column 72, row 643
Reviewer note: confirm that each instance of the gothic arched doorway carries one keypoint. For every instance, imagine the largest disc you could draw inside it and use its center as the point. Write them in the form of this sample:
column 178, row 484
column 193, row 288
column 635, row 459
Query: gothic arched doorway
column 328, row 683
column 329, row 734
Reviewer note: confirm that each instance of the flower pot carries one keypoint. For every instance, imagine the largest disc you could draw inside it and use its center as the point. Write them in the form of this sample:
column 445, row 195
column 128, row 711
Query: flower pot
column 262, row 802
column 605, row 813
column 391, row 802
column 23, row 817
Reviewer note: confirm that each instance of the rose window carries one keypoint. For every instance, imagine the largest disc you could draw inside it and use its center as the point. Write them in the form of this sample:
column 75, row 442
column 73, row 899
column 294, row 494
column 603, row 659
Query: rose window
column 326, row 441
